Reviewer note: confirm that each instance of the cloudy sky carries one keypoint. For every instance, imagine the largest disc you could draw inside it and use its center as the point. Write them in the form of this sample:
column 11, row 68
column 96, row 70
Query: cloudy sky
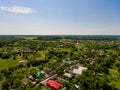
column 79, row 17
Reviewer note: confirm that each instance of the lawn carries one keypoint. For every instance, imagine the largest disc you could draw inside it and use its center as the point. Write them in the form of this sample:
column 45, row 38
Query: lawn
column 4, row 64
column 40, row 54
column 27, row 37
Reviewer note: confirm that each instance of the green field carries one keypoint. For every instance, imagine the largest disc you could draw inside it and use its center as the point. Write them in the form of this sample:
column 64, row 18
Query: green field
column 27, row 37
column 4, row 64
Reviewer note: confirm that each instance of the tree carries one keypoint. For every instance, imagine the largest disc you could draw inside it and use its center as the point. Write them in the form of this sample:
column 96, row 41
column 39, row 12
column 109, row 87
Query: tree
column 16, row 83
column 119, row 69
column 33, row 71
column 1, row 76
column 6, row 56
column 5, row 85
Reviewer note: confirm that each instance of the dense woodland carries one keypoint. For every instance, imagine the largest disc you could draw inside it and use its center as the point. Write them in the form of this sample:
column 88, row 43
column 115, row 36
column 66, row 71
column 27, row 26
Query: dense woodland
column 100, row 54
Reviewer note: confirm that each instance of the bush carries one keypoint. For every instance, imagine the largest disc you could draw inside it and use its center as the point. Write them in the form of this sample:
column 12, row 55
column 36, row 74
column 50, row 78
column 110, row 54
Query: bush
column 1, row 77
column 6, row 56
column 5, row 85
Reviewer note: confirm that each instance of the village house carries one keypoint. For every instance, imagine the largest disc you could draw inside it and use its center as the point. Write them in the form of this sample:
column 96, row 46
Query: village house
column 67, row 60
column 93, row 51
column 34, row 83
column 79, row 70
column 23, row 62
column 15, row 51
column 69, row 75
column 76, row 86
column 101, row 52
column 27, row 50
column 24, row 81
column 50, row 72
column 65, row 88
column 77, row 43
column 53, row 84
column 92, row 61
column 31, row 78
column 75, row 62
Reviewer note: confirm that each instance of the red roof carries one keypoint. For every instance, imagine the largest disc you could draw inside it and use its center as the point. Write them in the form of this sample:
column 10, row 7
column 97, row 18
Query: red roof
column 53, row 84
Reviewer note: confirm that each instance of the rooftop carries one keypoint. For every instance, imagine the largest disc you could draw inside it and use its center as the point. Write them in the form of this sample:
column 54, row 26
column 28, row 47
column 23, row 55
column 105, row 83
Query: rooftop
column 24, row 81
column 53, row 84
column 79, row 70
column 68, row 75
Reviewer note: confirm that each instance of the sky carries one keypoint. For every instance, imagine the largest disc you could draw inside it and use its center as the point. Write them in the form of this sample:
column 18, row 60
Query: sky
column 59, row 17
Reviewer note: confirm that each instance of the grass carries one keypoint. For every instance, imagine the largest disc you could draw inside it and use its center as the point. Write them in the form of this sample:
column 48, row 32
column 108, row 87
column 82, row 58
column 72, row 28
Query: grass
column 27, row 37
column 41, row 54
column 6, row 63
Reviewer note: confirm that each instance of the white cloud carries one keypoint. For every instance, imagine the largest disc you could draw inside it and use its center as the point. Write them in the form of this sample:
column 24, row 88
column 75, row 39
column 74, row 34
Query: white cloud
column 17, row 9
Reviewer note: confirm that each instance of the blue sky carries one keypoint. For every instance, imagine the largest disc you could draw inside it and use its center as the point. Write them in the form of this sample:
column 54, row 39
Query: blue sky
column 79, row 17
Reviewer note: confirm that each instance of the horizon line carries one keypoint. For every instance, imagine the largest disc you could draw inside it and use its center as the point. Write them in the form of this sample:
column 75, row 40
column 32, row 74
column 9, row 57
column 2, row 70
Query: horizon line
column 59, row 34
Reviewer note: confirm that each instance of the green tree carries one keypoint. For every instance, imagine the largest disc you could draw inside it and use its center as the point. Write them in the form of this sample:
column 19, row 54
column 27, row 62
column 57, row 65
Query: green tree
column 6, row 56
column 16, row 83
column 1, row 77
column 33, row 71
column 5, row 85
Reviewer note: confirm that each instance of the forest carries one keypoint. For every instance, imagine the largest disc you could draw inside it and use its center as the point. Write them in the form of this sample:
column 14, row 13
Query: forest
column 74, row 62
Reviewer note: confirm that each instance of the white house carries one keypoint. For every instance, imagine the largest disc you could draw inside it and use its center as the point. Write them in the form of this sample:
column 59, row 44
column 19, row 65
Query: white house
column 79, row 70
column 68, row 75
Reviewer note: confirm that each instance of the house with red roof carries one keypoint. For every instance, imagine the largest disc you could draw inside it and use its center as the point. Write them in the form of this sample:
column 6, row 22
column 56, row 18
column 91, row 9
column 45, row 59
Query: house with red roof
column 53, row 84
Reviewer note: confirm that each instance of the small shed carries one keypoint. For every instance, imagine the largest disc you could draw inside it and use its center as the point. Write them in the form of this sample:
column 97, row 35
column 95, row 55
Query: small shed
column 24, row 81
column 40, row 74
column 76, row 86
column 31, row 78
column 68, row 75
column 67, row 60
